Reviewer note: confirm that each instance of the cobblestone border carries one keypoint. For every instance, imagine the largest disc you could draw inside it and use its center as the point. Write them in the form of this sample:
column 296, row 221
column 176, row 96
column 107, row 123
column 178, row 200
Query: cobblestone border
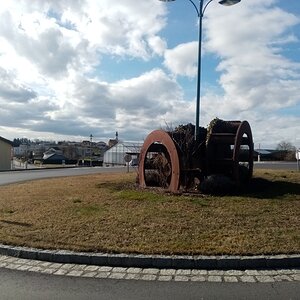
column 149, row 274
column 155, row 261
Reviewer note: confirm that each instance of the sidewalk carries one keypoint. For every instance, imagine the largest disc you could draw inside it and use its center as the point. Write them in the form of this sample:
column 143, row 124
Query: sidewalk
column 145, row 267
column 150, row 274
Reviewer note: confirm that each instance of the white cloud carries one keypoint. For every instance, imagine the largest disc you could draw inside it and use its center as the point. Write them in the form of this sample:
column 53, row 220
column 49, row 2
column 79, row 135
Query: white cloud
column 182, row 60
column 255, row 75
column 52, row 54
column 12, row 90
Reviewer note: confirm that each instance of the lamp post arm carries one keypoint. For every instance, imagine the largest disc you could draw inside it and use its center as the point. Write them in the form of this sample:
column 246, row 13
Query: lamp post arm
column 196, row 8
column 203, row 11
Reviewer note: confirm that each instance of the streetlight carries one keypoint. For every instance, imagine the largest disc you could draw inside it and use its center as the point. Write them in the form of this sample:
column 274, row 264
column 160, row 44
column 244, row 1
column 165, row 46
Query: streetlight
column 200, row 13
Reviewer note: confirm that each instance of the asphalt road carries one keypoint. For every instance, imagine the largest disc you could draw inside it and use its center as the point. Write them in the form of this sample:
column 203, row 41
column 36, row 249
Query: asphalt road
column 24, row 285
column 278, row 165
column 25, row 175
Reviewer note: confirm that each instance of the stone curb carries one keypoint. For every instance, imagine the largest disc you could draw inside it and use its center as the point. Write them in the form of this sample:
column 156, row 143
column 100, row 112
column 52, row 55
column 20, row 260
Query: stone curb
column 155, row 261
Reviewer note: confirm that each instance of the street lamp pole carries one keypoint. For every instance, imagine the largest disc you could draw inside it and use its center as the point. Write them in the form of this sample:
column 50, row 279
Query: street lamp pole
column 200, row 13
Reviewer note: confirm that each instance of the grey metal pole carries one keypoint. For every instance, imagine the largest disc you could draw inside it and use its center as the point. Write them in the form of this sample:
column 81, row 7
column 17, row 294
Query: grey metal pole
column 200, row 15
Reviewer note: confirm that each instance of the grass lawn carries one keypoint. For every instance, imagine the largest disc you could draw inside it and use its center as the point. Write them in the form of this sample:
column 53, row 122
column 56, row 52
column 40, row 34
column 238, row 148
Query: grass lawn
column 107, row 212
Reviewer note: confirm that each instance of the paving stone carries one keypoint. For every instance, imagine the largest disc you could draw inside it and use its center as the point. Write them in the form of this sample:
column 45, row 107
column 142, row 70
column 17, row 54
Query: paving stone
column 89, row 274
column 200, row 278
column 183, row 272
column 33, row 262
column 76, row 273
column 91, row 268
column 287, row 271
column 265, row 278
column 246, row 278
column 150, row 271
column 134, row 270
column 102, row 274
column 55, row 266
column 24, row 268
column 296, row 277
column 132, row 276
column 10, row 259
column 21, row 261
column 79, row 267
column 117, row 275
column 164, row 278
column 119, row 270
column 252, row 272
column 105, row 269
column 167, row 272
column 199, row 272
column 267, row 272
column 13, row 266
column 234, row 273
column 282, row 278
column 3, row 264
column 181, row 278
column 48, row 271
column 230, row 279
column 67, row 266
column 216, row 272
column 61, row 272
column 148, row 277
column 213, row 278
column 45, row 264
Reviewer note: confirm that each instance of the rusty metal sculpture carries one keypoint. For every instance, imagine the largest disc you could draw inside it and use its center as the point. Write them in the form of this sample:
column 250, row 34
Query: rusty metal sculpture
column 174, row 160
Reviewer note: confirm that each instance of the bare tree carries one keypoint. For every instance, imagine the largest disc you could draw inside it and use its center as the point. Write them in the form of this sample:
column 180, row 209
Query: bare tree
column 286, row 146
column 287, row 150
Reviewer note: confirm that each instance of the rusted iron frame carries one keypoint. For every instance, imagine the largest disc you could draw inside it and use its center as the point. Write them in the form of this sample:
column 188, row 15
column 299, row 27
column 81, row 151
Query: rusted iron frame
column 162, row 137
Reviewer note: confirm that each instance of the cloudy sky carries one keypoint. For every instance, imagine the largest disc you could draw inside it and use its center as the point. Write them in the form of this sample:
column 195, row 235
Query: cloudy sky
column 71, row 68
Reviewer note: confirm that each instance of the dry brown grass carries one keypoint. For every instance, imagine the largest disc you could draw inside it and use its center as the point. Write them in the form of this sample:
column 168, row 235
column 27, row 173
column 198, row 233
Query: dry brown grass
column 108, row 213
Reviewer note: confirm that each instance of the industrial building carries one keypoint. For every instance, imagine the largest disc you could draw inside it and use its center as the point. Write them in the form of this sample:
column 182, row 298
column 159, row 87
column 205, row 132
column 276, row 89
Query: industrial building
column 6, row 147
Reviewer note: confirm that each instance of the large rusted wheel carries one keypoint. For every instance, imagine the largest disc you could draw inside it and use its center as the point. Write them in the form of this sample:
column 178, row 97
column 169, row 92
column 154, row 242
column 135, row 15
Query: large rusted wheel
column 243, row 154
column 230, row 150
column 159, row 162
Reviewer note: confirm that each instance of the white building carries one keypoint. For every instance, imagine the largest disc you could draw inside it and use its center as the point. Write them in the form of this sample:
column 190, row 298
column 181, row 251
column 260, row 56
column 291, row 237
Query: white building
column 21, row 150
column 5, row 154
column 115, row 155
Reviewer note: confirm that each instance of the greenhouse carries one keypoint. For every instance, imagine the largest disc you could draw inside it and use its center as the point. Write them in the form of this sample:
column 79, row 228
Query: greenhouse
column 115, row 155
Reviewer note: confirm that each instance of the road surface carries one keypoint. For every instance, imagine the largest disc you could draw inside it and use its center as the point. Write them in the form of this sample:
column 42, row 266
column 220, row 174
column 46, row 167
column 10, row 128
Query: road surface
column 29, row 285
column 277, row 165
column 24, row 175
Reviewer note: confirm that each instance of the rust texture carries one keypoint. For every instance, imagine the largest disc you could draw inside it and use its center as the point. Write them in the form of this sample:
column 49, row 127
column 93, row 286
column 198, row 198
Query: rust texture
column 163, row 165
column 174, row 160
